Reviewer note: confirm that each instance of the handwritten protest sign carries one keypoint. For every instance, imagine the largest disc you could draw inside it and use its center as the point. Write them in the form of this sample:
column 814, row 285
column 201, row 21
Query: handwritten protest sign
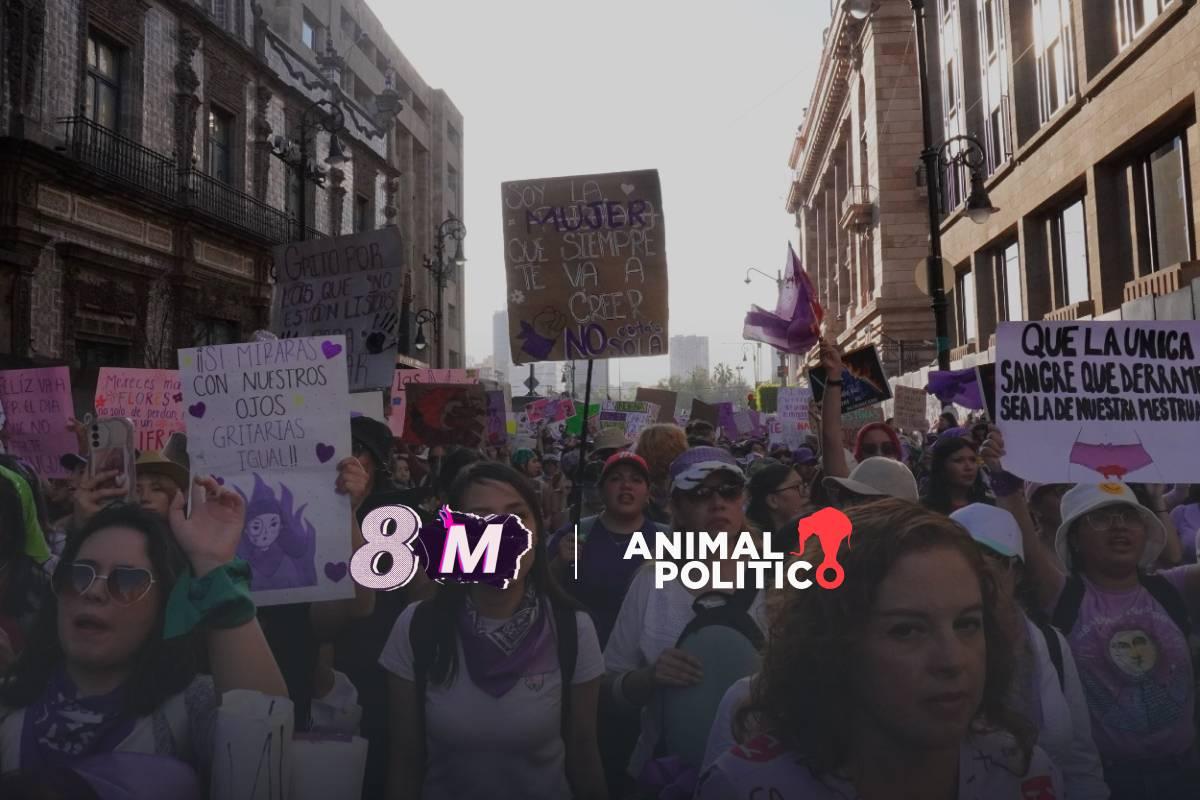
column 911, row 409
column 37, row 407
column 445, row 414
column 665, row 399
column 1099, row 401
column 586, row 262
column 863, row 380
column 269, row 419
column 792, row 425
column 403, row 377
column 151, row 398
column 345, row 285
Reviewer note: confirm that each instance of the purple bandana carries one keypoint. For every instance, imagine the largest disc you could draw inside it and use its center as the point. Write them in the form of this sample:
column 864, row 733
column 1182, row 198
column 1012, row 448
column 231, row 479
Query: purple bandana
column 497, row 659
column 60, row 727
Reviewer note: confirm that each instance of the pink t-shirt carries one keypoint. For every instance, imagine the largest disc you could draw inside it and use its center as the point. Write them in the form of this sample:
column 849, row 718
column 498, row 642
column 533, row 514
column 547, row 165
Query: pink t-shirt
column 1136, row 671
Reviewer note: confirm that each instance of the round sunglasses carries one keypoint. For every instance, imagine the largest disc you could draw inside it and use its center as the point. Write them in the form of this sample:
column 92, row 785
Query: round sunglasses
column 126, row 585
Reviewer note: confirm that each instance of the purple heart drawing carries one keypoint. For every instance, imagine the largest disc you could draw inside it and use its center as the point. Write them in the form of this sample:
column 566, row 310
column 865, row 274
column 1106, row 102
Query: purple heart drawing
column 197, row 409
column 330, row 349
column 220, row 481
column 335, row 571
column 324, row 452
column 178, row 397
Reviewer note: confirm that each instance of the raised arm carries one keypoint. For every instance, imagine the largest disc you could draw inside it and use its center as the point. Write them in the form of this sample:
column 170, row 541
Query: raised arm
column 1041, row 565
column 1172, row 554
column 238, row 655
column 833, row 456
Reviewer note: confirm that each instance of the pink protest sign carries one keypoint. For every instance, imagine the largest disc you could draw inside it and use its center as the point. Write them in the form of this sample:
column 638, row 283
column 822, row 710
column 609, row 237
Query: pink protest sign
column 403, row 377
column 37, row 407
column 151, row 398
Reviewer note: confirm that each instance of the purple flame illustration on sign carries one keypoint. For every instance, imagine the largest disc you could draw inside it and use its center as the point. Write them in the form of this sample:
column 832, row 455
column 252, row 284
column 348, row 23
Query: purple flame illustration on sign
column 277, row 542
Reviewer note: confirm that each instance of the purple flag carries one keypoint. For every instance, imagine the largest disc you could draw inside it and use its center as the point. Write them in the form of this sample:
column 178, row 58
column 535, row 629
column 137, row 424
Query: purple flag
column 960, row 387
column 795, row 325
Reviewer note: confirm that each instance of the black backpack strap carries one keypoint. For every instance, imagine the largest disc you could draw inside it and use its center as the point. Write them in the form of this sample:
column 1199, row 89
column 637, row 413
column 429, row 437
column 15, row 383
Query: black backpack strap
column 1169, row 598
column 1054, row 646
column 1066, row 611
column 567, row 633
column 420, row 638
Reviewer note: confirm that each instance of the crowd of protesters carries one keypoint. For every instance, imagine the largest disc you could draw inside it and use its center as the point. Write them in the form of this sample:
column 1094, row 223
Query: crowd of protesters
column 992, row 638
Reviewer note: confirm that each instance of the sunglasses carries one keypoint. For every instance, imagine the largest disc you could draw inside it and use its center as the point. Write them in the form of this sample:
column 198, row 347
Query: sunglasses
column 126, row 585
column 884, row 449
column 727, row 491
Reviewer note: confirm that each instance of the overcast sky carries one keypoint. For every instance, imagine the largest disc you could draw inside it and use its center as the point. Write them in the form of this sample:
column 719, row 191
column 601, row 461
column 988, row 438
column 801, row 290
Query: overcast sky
column 708, row 94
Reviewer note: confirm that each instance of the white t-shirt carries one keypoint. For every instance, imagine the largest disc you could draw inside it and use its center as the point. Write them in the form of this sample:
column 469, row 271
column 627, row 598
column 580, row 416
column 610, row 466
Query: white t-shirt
column 649, row 623
column 720, row 737
column 502, row 748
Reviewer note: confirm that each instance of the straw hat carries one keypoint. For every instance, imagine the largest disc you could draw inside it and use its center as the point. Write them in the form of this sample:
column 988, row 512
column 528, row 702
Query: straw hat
column 153, row 462
column 1087, row 497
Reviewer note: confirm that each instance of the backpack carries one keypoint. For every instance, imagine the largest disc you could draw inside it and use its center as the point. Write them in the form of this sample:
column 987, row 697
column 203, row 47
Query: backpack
column 421, row 638
column 1054, row 647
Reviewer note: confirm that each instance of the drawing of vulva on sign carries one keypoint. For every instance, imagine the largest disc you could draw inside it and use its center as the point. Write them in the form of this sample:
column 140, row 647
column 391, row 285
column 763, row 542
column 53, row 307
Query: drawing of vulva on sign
column 269, row 420
column 586, row 262
column 346, row 285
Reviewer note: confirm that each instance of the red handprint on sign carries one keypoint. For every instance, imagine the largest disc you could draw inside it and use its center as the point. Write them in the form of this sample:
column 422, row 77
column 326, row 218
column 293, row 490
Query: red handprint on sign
column 831, row 527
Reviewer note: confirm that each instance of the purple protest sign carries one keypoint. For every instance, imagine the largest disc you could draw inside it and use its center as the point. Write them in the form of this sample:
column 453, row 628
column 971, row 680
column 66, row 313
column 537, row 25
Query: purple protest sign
column 37, row 407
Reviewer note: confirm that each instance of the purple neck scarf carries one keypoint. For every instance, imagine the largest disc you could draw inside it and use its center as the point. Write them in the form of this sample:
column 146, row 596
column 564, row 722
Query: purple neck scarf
column 61, row 727
column 523, row 645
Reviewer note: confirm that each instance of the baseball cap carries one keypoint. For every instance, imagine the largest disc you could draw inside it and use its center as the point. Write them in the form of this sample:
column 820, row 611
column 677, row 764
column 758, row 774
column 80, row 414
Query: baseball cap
column 627, row 458
column 994, row 528
column 691, row 468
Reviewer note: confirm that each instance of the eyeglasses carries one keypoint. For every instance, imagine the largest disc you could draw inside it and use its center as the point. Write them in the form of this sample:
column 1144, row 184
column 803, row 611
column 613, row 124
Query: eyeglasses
column 797, row 486
column 727, row 491
column 1105, row 519
column 1004, row 563
column 885, row 449
column 126, row 585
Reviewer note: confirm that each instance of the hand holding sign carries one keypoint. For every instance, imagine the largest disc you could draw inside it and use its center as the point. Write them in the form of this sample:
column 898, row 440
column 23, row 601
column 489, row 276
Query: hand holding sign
column 209, row 537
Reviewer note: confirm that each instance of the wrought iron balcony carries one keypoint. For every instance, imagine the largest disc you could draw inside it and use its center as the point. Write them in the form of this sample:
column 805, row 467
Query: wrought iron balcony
column 140, row 168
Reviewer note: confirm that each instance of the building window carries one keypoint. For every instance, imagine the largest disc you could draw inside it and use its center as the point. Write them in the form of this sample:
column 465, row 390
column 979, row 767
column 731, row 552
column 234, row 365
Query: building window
column 454, row 136
column 1134, row 15
column 102, row 94
column 92, row 355
column 953, row 117
column 1055, row 47
column 1168, row 212
column 452, row 179
column 964, row 290
column 452, row 315
column 994, row 68
column 207, row 331
column 454, row 359
column 1008, row 272
column 1069, row 257
column 363, row 218
column 308, row 30
column 220, row 145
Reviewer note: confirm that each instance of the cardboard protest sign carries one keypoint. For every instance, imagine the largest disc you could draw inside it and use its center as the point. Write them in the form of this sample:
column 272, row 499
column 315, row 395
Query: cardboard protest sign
column 703, row 411
column 863, row 380
column 445, row 414
column 1099, row 401
column 151, row 398
column 268, row 419
column 665, row 399
column 37, row 406
column 403, row 377
column 345, row 285
column 367, row 404
column 910, row 412
column 585, row 258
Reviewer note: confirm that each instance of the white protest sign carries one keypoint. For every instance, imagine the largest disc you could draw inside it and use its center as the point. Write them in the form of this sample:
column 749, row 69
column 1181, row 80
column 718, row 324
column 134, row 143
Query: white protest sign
column 792, row 420
column 910, row 410
column 1098, row 401
column 269, row 420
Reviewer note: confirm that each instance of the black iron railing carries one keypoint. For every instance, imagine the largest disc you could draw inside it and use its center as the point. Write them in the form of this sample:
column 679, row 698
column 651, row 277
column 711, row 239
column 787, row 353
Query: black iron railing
column 124, row 160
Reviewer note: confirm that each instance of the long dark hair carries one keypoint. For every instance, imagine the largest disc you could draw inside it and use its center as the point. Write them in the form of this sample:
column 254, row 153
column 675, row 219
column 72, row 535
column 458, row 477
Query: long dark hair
column 161, row 668
column 450, row 597
column 937, row 494
column 799, row 696
column 761, row 487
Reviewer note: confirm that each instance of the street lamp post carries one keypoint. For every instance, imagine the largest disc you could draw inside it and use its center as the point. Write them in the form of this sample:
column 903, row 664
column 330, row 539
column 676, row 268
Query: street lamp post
column 441, row 269
column 970, row 153
column 780, row 281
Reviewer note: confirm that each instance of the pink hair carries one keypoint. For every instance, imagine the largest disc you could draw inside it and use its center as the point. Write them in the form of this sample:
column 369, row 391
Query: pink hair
column 877, row 426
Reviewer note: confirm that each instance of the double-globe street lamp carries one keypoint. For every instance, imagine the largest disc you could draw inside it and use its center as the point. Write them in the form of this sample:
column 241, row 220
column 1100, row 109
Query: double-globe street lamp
column 441, row 268
column 954, row 153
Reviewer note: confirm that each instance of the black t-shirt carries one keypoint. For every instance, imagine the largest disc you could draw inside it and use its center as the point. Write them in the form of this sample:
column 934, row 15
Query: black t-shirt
column 289, row 633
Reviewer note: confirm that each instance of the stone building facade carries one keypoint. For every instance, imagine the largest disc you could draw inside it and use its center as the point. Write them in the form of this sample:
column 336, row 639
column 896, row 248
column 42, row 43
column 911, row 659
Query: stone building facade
column 139, row 196
column 859, row 208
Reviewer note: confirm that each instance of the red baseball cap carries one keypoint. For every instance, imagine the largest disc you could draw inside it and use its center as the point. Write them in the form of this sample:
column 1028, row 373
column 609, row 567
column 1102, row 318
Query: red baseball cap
column 625, row 457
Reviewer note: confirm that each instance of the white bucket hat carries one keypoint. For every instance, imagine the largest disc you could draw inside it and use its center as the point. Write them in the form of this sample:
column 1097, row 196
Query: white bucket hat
column 1087, row 497
column 878, row 477
column 994, row 528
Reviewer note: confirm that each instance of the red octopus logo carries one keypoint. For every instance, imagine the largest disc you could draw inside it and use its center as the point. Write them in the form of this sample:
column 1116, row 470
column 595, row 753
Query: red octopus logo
column 831, row 527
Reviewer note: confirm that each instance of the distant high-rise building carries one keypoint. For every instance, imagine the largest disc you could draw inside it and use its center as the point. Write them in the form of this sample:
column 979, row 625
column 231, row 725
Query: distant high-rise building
column 600, row 381
column 688, row 354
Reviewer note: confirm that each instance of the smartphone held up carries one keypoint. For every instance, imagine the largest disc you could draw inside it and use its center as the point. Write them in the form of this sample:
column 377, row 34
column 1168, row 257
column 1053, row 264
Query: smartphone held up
column 111, row 448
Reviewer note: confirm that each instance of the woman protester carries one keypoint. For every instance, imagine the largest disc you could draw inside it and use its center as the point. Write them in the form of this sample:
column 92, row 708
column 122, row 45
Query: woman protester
column 1047, row 689
column 892, row 685
column 777, row 495
column 1128, row 628
column 526, row 462
column 111, row 666
column 659, row 445
column 955, row 480
column 477, row 674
